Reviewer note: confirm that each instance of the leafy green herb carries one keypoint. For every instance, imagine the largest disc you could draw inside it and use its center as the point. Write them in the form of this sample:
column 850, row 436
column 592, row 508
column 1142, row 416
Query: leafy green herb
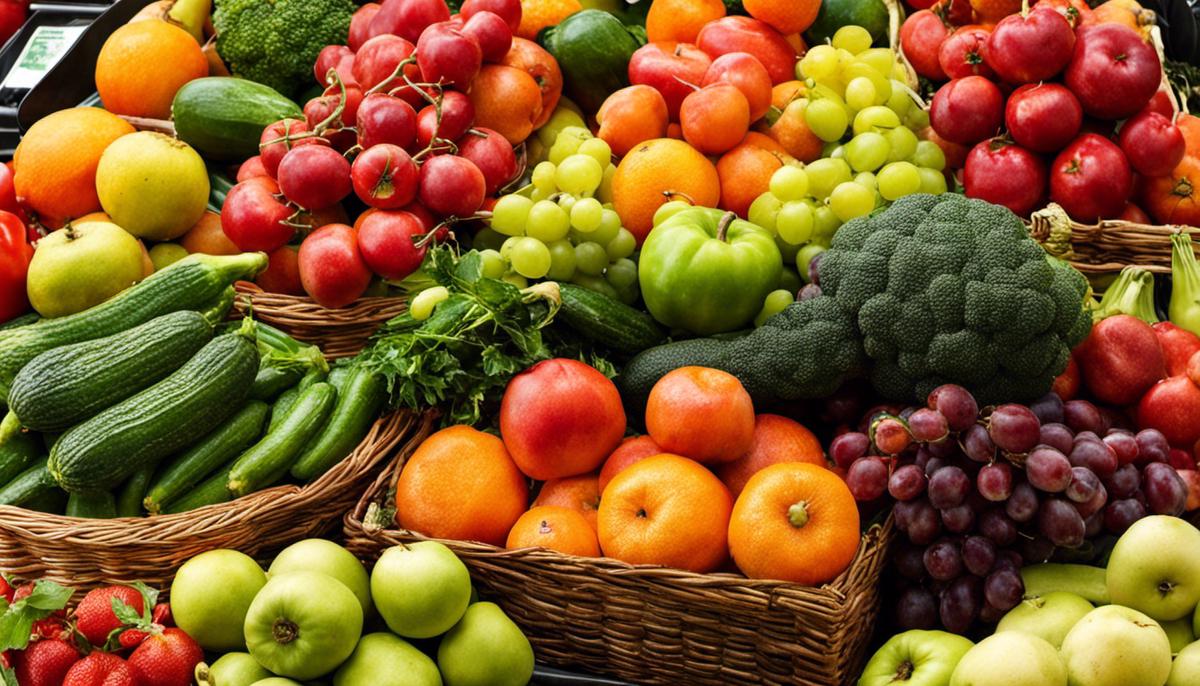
column 16, row 623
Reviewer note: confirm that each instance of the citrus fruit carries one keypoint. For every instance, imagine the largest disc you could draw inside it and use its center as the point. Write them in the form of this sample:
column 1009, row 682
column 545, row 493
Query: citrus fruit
column 538, row 14
column 630, row 116
column 142, row 65
column 776, row 439
column 702, row 413
column 680, row 20
column 715, row 118
column 657, row 171
column 506, row 100
column 786, row 16
column 578, row 493
column 745, row 174
column 632, row 449
column 557, row 528
column 153, row 186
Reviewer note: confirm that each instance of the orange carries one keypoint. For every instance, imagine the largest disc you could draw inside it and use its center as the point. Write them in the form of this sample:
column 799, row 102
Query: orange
column 715, row 118
column 782, row 94
column 992, row 11
column 791, row 131
column 745, row 174
column 666, row 510
column 776, row 439
column 534, row 60
column 578, row 493
column 54, row 167
column 555, row 528
column 632, row 115
column 786, row 16
column 461, row 484
column 701, row 413
column 762, row 140
column 657, row 171
column 674, row 130
column 208, row 237
column 142, row 65
column 538, row 14
column 680, row 20
column 632, row 449
column 507, row 100
column 794, row 522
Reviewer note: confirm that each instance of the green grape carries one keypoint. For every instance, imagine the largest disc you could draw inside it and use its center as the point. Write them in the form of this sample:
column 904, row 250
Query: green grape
column 773, row 304
column 786, row 250
column 567, row 143
column 621, row 246
column 825, row 224
column 562, row 118
column 491, row 264
column 838, row 153
column 605, row 191
column 515, row 279
column 898, row 179
column 827, row 119
column 882, row 60
column 537, row 195
column 899, row 72
column 789, row 182
column 667, row 210
column 805, row 257
column 422, row 304
column 562, row 261
column 860, row 93
column 590, row 258
column 867, row 180
column 856, row 39
column 820, row 61
column 901, row 101
column 610, row 226
column 548, row 222
column 622, row 273
column 507, row 247
column 874, row 118
column 795, row 222
column 851, row 200
column 764, row 210
column 566, row 201
column 929, row 155
column 598, row 149
column 587, row 214
column 789, row 280
column 829, row 149
column 579, row 175
column 510, row 214
column 595, row 283
column 530, row 258
column 903, row 142
column 867, row 151
column 933, row 181
column 917, row 119
column 883, row 87
column 487, row 239
column 824, row 175
column 543, row 177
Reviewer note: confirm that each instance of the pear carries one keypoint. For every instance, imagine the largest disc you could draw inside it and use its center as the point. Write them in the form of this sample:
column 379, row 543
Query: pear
column 485, row 649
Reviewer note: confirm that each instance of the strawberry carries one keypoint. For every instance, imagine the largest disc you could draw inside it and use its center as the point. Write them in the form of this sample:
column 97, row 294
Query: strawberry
column 6, row 589
column 94, row 617
column 100, row 669
column 162, row 614
column 45, row 662
column 166, row 658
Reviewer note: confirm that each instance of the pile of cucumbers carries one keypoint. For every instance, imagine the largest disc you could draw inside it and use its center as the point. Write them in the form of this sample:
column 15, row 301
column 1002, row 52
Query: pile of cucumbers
column 152, row 403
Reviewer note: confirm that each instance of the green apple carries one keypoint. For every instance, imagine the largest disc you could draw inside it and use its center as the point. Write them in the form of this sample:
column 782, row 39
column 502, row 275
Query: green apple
column 420, row 590
column 383, row 659
column 164, row 255
column 915, row 658
column 326, row 557
column 1117, row 646
column 485, row 649
column 1179, row 633
column 1049, row 617
column 1010, row 658
column 211, row 594
column 231, row 669
column 303, row 624
column 1185, row 670
column 1155, row 567
column 276, row 681
column 82, row 265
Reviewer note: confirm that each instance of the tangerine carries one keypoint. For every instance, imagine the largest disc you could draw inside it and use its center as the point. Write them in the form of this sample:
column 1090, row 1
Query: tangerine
column 786, row 16
column 680, row 20
column 657, row 171
column 578, row 493
column 632, row 115
column 538, row 14
column 702, row 413
column 776, row 439
column 745, row 174
column 554, row 528
column 142, row 65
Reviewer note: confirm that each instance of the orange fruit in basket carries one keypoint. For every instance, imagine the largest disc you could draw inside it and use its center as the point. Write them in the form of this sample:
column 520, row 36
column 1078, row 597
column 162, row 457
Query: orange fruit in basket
column 782, row 94
column 776, row 439
column 762, row 140
column 786, row 16
column 657, row 171
column 992, row 11
column 794, row 522
column 556, row 528
column 538, row 14
column 208, row 237
column 632, row 115
column 632, row 449
column 791, row 131
column 745, row 174
column 578, row 493
column 461, row 484
column 715, row 118
column 142, row 65
column 536, row 61
column 680, row 20
column 702, row 413
column 666, row 510
column 507, row 100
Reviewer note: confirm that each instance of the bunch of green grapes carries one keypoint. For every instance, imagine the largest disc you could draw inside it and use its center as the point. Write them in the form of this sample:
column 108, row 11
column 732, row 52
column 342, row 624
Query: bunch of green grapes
column 562, row 226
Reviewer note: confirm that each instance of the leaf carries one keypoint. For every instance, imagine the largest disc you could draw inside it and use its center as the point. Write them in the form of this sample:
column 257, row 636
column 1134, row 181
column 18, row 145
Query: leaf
column 469, row 268
column 15, row 628
column 47, row 595
column 124, row 612
column 9, row 677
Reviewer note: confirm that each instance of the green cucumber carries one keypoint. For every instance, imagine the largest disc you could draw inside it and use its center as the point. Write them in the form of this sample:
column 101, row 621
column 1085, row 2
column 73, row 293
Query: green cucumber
column 271, row 381
column 593, row 49
column 211, row 491
column 23, row 320
column 191, row 283
column 338, row 376
column 608, row 321
column 219, row 186
column 271, row 458
column 29, row 484
column 284, row 404
column 359, row 400
column 52, row 501
column 223, row 118
column 129, row 498
column 218, row 448
column 169, row 416
column 91, row 505
column 18, row 454
column 284, row 361
column 1082, row 580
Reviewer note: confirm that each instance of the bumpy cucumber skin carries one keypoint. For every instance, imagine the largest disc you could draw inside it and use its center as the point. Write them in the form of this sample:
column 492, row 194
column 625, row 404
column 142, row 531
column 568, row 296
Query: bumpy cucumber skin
column 30, row 484
column 18, row 454
column 609, row 322
column 91, row 505
column 359, row 400
column 211, row 491
column 271, row 458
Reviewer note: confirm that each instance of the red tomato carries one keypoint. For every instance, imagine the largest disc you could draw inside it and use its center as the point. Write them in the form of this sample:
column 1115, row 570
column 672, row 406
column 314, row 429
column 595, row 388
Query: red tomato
column 15, row 253
column 332, row 270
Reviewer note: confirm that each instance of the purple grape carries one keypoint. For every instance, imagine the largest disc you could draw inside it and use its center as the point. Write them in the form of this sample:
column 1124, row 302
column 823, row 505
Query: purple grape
column 1094, row 524
column 1152, row 446
column 1003, row 589
column 933, row 464
column 814, row 269
column 978, row 445
column 1123, row 482
column 990, row 615
column 1009, row 559
column 1081, row 415
column 943, row 560
column 910, row 562
column 1022, row 505
column 1014, row 428
column 1094, row 504
column 848, row 447
column 1121, row 514
column 923, row 523
column 808, row 292
column 956, row 404
column 1165, row 491
column 978, row 555
column 1036, row 549
column 943, row 449
column 928, row 426
column 1048, row 470
column 1061, row 523
column 995, row 482
column 902, row 513
column 916, row 609
column 1086, row 436
column 1057, row 436
column 960, row 604
column 1095, row 455
column 997, row 526
column 867, row 478
column 1048, row 408
column 959, row 519
column 1124, row 444
column 948, row 487
column 907, row 482
column 1084, row 484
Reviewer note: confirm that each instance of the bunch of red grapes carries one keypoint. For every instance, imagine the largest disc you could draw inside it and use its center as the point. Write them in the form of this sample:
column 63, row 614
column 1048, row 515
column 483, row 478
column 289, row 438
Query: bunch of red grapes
column 981, row 491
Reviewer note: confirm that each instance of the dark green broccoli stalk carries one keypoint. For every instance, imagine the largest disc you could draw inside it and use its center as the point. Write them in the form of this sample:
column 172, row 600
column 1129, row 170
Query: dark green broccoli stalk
column 275, row 42
column 1132, row 293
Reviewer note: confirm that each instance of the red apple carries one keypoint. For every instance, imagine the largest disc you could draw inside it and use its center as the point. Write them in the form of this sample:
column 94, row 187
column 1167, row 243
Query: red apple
column 673, row 69
column 1173, row 407
column 1066, row 385
column 332, row 268
column 747, row 74
column 1152, row 143
column 508, row 10
column 360, row 25
column 1003, row 173
column 385, row 119
column 384, row 176
column 1091, row 179
column 250, row 169
column 1043, row 117
column 1113, row 72
column 967, row 110
column 1031, row 48
column 743, row 34
column 253, row 218
column 964, row 54
column 921, row 38
column 408, row 18
column 282, row 274
column 451, row 186
column 446, row 54
column 458, row 113
column 491, row 33
column 328, row 59
column 1120, row 359
column 1161, row 103
column 1178, row 346
column 387, row 240
column 494, row 156
column 1135, row 214
column 378, row 58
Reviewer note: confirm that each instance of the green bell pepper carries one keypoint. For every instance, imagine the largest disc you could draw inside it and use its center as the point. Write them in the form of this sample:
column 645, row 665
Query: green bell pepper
column 706, row 271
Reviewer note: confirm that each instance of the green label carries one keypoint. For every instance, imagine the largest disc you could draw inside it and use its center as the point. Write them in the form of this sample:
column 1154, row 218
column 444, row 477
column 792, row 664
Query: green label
column 42, row 51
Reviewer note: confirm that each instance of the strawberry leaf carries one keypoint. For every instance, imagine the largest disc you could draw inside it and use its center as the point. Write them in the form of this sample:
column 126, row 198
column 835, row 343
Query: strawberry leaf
column 16, row 623
column 47, row 595
column 124, row 613
column 9, row 677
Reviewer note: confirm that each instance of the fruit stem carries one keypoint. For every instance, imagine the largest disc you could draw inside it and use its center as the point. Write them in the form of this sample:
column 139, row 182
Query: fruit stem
column 336, row 114
column 904, row 671
column 396, row 73
column 285, row 631
column 723, row 226
column 149, row 124
column 670, row 195
column 798, row 514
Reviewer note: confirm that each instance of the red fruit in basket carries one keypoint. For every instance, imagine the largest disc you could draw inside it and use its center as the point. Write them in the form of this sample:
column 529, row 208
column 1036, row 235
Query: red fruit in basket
column 1178, row 346
column 747, row 74
column 387, row 241
column 1120, row 359
column 376, row 61
column 451, row 186
column 560, row 418
column 332, row 268
column 921, row 38
column 632, row 449
column 508, row 10
column 1043, row 117
column 704, row 414
column 385, row 119
column 671, row 68
column 1005, row 174
column 492, row 34
column 384, row 176
column 1091, row 179
column 94, row 616
column 408, row 18
column 251, row 168
column 1031, row 48
column 1161, row 103
column 967, row 111
column 1114, row 73
column 100, row 669
column 1153, row 144
column 494, row 156
column 1173, row 407
column 282, row 274
column 328, row 59
column 360, row 25
column 458, row 113
column 744, row 34
column 253, row 218
column 447, row 55
column 964, row 54
column 1135, row 214
column 166, row 659
column 325, row 108
column 314, row 176
column 45, row 662
column 278, row 138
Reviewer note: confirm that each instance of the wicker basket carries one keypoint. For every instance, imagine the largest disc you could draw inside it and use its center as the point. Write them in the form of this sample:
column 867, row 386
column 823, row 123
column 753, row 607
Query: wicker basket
column 84, row 553
column 339, row 333
column 1107, row 247
column 652, row 625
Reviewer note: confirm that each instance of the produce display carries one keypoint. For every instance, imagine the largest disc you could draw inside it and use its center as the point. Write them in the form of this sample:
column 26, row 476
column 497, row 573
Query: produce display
column 754, row 298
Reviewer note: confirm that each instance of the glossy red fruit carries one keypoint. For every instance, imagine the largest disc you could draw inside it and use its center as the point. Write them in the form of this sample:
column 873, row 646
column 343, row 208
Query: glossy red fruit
column 1091, row 179
column 408, row 18
column 446, row 55
column 673, row 69
column 451, row 186
column 100, row 669
column 1173, row 407
column 360, row 25
column 332, row 269
column 385, row 176
column 967, row 110
column 458, row 114
column 1178, row 346
column 345, row 70
column 278, row 138
column 1031, row 48
column 423, row 215
column 45, row 662
column 1135, row 214
column 253, row 217
column 376, row 61
column 1113, row 72
column 964, row 54
column 1043, row 117
column 508, row 10
column 322, row 109
column 1120, row 359
column 94, row 616
column 387, row 241
column 331, row 98
column 1003, row 173
column 168, row 658
column 494, row 156
column 251, row 168
column 492, row 34
column 314, row 176
column 1161, row 103
column 1153, row 145
column 328, row 59
column 282, row 274
column 921, row 38
column 744, row 34
column 386, row 119
column 748, row 75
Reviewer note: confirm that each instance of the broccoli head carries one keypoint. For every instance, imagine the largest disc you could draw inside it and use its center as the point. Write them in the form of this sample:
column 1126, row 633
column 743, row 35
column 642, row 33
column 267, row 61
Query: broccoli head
column 275, row 42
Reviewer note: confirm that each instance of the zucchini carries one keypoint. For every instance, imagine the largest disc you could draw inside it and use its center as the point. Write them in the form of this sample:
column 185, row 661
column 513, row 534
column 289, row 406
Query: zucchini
column 91, row 505
column 284, row 403
column 271, row 381
column 170, row 415
column 72, row 383
column 359, row 400
column 23, row 320
column 18, row 454
column 338, row 376
column 129, row 498
column 52, row 501
column 211, row 491
column 218, row 448
column 271, row 458
column 191, row 283
column 284, row 362
column 29, row 484
column 608, row 321
column 223, row 118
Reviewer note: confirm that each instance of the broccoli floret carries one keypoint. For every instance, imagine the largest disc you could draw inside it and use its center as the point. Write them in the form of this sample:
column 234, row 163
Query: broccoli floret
column 275, row 42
